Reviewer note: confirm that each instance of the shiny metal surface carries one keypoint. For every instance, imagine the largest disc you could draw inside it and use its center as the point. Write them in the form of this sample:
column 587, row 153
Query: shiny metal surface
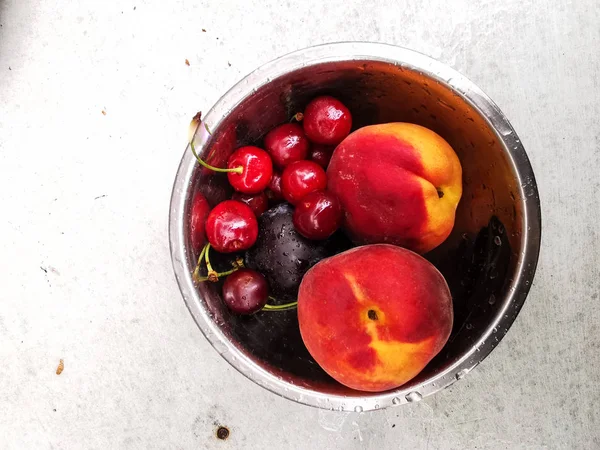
column 489, row 260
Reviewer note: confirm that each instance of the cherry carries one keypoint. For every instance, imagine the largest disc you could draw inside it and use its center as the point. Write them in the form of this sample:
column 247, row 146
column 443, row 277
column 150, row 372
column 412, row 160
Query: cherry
column 301, row 178
column 249, row 169
column 258, row 203
column 327, row 121
column 286, row 143
column 318, row 215
column 256, row 173
column 321, row 154
column 198, row 214
column 231, row 226
column 245, row 291
column 274, row 189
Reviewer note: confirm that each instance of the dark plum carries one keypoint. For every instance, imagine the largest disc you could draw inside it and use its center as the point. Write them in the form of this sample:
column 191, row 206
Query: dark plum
column 283, row 256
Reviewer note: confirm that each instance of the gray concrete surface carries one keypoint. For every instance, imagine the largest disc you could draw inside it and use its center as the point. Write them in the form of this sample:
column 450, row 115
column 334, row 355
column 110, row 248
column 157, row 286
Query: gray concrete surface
column 85, row 273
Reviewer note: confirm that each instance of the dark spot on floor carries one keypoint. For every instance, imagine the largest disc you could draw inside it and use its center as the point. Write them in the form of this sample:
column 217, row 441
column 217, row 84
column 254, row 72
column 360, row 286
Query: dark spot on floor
column 222, row 433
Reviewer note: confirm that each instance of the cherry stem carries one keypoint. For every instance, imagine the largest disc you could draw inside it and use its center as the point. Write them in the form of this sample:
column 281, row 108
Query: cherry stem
column 213, row 275
column 297, row 117
column 196, row 275
column 279, row 307
column 239, row 169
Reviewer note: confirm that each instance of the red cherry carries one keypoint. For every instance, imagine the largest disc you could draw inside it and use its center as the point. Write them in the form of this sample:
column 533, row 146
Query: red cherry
column 258, row 203
column 274, row 189
column 318, row 215
column 286, row 143
column 321, row 154
column 256, row 169
column 231, row 226
column 245, row 291
column 327, row 121
column 198, row 214
column 301, row 178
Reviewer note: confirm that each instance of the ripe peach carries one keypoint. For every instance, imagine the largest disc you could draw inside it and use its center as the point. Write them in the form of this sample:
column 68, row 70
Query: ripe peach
column 399, row 183
column 374, row 316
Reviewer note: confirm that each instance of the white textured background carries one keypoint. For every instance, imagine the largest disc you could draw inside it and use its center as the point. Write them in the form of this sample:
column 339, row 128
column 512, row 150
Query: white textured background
column 85, row 273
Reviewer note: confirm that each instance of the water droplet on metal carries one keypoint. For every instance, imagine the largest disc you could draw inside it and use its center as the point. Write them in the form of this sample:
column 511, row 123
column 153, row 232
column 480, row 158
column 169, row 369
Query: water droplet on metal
column 469, row 326
column 460, row 375
column 358, row 409
column 396, row 401
column 492, row 299
column 413, row 397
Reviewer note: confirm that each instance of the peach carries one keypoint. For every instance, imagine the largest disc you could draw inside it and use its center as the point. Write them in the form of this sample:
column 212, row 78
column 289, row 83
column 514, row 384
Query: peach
column 373, row 317
column 399, row 183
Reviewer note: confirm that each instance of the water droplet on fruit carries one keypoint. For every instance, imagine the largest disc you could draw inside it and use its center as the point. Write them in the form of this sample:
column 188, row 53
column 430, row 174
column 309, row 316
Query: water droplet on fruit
column 413, row 397
column 492, row 299
column 460, row 375
column 358, row 409
column 396, row 401
column 498, row 241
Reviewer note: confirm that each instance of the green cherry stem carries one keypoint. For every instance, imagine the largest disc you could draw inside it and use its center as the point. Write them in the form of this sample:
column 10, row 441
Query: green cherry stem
column 279, row 307
column 213, row 275
column 196, row 275
column 239, row 169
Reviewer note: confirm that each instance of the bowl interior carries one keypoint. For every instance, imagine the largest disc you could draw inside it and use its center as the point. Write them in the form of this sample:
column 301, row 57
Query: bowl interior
column 478, row 260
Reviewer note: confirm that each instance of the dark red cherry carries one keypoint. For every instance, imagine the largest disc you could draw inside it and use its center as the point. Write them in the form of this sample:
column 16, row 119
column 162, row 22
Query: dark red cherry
column 327, row 121
column 255, row 169
column 245, row 291
column 198, row 214
column 274, row 189
column 318, row 215
column 286, row 143
column 231, row 226
column 258, row 203
column 301, row 178
column 321, row 154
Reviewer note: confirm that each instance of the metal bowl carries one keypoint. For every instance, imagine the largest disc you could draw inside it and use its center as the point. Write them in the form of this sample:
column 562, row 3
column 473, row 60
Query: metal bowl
column 489, row 260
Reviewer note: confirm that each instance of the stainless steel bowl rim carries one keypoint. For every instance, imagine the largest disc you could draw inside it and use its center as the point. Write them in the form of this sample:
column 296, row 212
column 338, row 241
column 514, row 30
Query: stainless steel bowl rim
column 519, row 286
